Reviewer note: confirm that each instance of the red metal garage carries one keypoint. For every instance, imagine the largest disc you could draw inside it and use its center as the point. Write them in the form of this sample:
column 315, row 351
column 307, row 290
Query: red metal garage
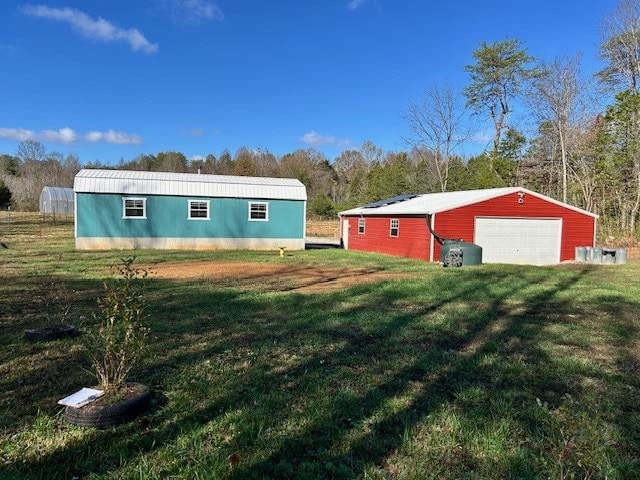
column 512, row 225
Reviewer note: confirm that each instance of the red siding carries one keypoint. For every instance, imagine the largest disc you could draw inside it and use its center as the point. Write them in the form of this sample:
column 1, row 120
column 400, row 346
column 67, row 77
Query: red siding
column 412, row 240
column 578, row 229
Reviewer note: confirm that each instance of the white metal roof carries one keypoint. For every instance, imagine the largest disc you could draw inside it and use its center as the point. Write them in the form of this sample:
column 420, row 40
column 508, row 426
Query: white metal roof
column 56, row 200
column 57, row 194
column 187, row 184
column 432, row 203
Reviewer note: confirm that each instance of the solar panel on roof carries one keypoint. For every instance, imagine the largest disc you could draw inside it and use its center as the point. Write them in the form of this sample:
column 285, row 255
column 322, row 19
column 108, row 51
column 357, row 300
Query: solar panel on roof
column 390, row 201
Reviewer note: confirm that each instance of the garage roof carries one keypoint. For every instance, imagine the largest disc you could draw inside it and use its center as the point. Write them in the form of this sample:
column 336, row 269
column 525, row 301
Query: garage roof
column 432, row 203
column 187, row 184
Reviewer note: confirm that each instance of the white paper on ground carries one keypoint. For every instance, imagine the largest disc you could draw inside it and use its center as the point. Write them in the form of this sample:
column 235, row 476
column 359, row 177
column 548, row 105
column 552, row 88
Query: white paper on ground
column 81, row 397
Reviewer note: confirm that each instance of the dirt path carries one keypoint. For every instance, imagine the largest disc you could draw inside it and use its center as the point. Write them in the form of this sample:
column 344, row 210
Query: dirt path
column 271, row 277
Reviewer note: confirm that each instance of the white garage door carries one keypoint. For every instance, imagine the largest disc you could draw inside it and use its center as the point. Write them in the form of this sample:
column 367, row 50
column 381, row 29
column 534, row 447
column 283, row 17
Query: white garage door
column 530, row 241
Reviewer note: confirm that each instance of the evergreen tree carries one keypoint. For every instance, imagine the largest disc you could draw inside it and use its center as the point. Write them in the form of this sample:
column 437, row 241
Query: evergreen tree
column 322, row 207
column 496, row 79
column 5, row 195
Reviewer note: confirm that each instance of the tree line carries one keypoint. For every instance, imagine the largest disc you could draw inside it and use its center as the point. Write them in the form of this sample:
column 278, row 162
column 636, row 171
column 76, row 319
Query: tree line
column 573, row 147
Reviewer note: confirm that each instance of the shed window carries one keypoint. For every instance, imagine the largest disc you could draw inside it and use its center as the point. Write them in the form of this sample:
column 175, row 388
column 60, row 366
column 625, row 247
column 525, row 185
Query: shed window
column 198, row 210
column 259, row 211
column 361, row 226
column 134, row 208
column 394, row 229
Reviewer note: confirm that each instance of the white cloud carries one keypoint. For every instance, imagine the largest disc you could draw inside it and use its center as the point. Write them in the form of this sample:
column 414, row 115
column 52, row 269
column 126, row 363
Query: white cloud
column 67, row 135
column 203, row 9
column 315, row 139
column 111, row 136
column 193, row 132
column 354, row 4
column 191, row 11
column 20, row 134
column 64, row 135
column 88, row 27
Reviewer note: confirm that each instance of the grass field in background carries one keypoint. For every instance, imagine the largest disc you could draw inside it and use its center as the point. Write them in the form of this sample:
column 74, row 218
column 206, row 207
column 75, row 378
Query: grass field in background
column 492, row 371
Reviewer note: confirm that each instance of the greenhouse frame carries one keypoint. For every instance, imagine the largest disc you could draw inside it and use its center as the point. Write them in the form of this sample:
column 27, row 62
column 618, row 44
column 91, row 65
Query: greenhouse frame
column 56, row 200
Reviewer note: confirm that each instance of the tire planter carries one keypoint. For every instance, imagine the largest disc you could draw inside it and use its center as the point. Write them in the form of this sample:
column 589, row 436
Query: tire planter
column 101, row 414
column 46, row 334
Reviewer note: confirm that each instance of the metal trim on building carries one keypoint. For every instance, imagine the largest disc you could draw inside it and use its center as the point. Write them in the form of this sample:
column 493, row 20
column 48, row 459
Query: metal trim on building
column 432, row 203
column 129, row 182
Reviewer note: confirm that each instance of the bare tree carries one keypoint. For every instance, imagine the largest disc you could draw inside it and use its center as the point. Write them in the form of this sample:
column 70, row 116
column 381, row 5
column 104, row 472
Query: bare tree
column 171, row 162
column 30, row 150
column 266, row 163
column 556, row 97
column 348, row 166
column 583, row 169
column 70, row 166
column 371, row 153
column 620, row 47
column 27, row 188
column 436, row 128
column 312, row 168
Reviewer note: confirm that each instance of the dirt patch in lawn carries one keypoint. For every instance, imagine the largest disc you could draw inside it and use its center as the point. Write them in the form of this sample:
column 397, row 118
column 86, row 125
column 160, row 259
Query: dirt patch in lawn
column 272, row 277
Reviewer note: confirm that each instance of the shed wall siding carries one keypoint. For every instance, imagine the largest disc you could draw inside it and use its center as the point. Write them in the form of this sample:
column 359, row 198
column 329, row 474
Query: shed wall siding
column 412, row 241
column 129, row 243
column 577, row 229
column 100, row 216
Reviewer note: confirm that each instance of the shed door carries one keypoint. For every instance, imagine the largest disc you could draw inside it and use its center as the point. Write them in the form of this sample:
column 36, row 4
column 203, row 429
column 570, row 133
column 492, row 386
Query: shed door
column 345, row 233
column 531, row 241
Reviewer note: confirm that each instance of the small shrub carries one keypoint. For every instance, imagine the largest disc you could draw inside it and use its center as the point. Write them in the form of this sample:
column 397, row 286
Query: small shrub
column 117, row 342
column 55, row 300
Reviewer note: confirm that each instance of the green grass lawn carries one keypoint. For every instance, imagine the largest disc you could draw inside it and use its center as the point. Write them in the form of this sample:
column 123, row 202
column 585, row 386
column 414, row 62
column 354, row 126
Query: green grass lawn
column 480, row 372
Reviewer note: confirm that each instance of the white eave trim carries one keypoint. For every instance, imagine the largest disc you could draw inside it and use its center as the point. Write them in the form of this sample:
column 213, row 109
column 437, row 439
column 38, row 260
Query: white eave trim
column 127, row 182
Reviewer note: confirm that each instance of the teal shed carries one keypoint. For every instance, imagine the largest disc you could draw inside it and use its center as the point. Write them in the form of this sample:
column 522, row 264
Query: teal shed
column 121, row 209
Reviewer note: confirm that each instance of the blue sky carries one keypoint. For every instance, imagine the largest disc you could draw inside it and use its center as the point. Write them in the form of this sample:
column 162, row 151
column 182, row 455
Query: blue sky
column 109, row 80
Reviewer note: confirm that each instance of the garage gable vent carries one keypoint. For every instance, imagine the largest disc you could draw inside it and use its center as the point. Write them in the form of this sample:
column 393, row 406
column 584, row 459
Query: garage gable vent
column 390, row 201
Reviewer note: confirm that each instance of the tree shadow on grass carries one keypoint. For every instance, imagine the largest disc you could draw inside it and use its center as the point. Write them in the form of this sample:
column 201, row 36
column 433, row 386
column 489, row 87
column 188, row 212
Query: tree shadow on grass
column 34, row 375
column 447, row 364
column 330, row 386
